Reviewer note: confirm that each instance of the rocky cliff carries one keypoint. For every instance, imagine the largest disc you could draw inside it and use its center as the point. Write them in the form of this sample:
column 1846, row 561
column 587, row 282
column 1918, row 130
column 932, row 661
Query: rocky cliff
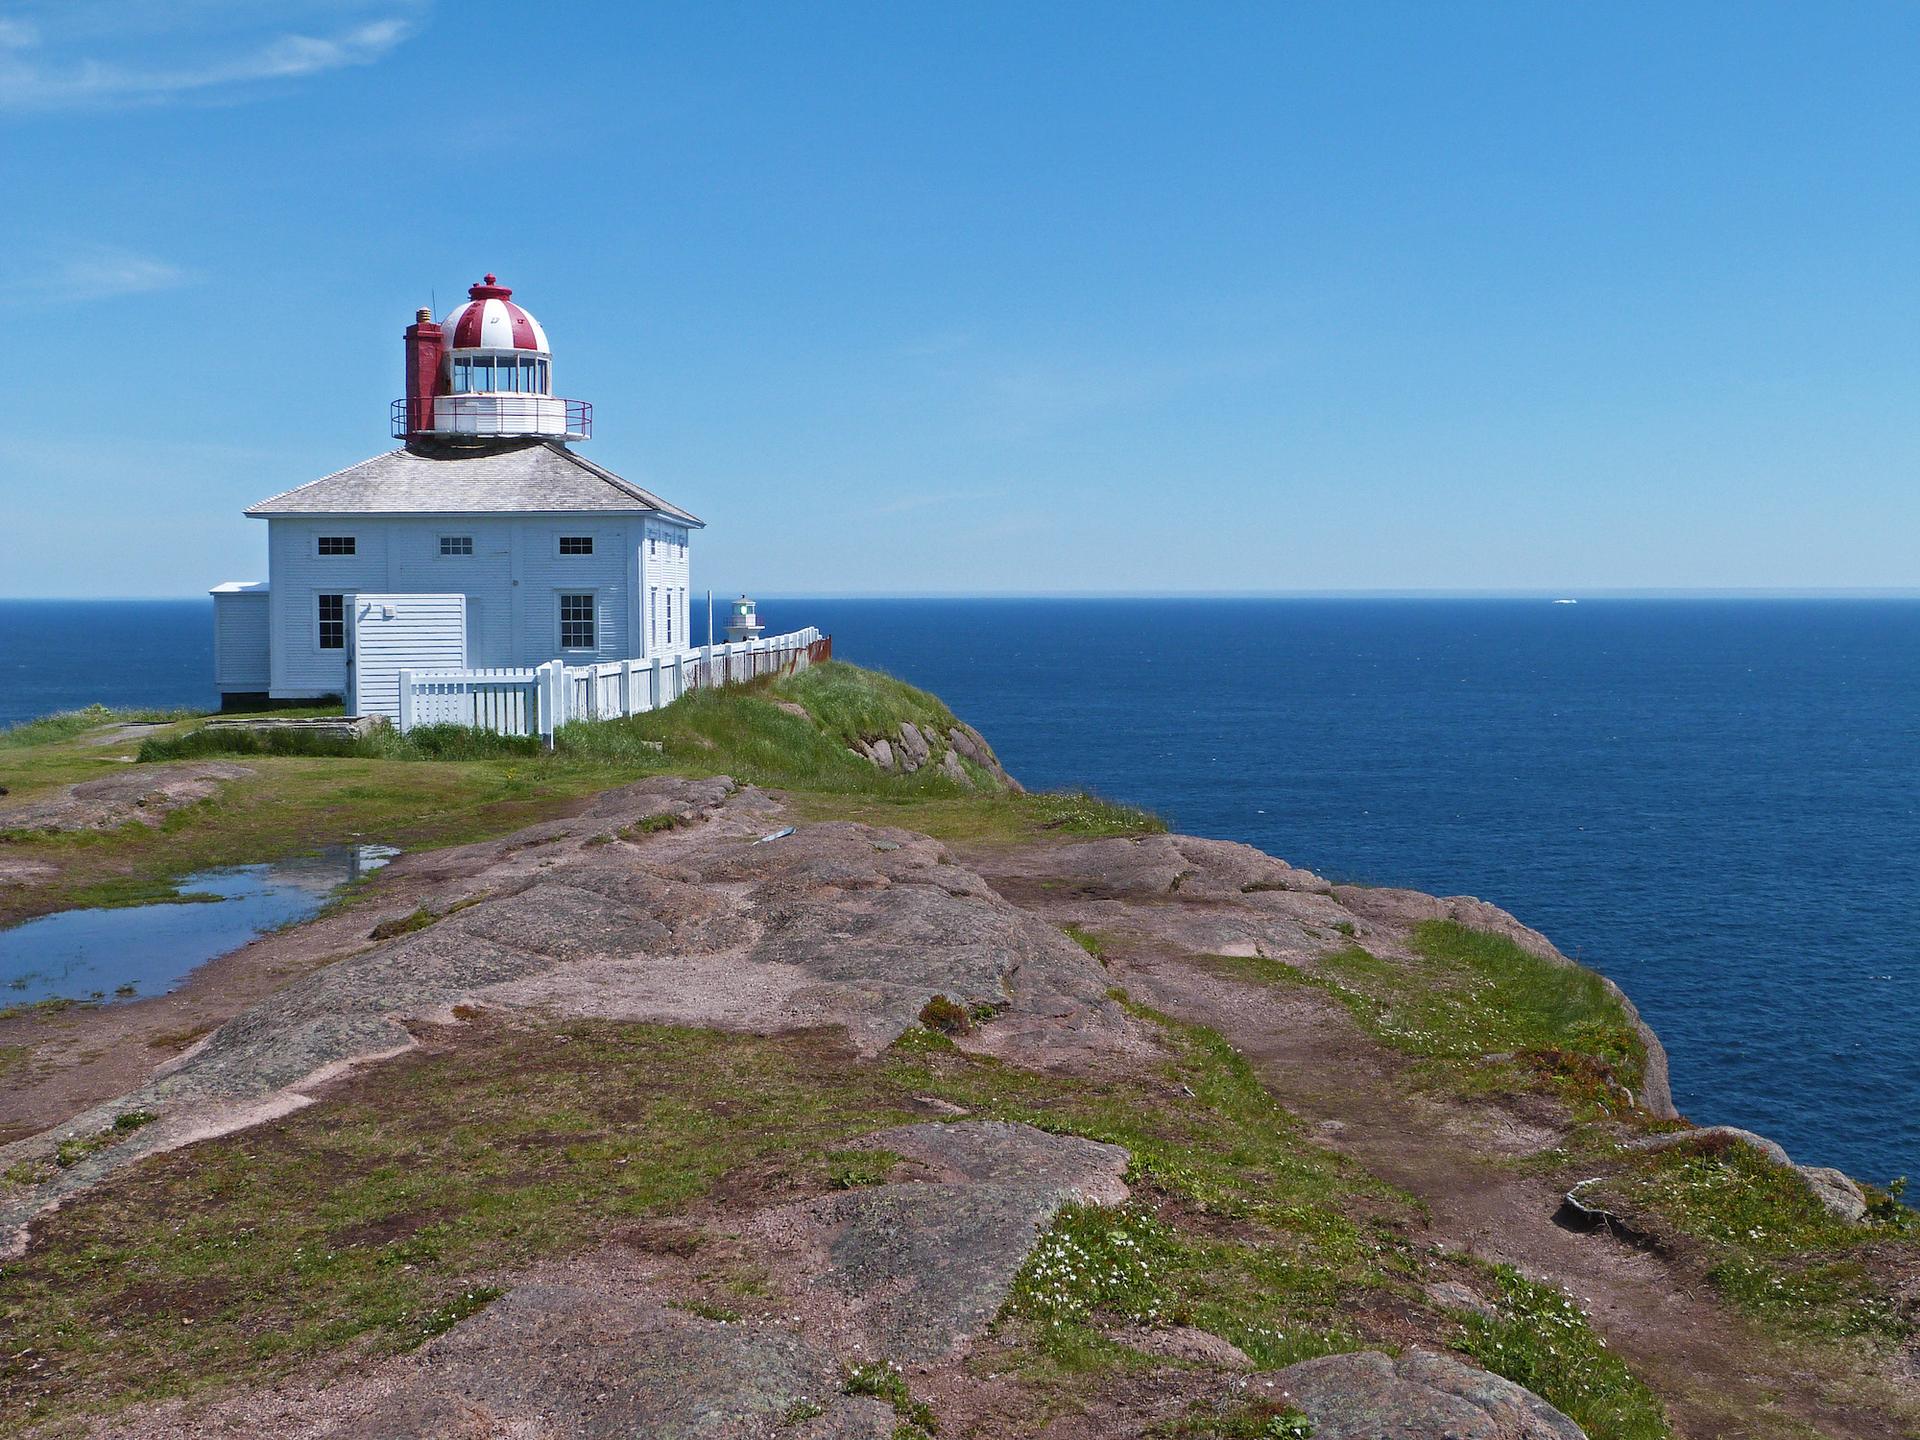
column 705, row 1110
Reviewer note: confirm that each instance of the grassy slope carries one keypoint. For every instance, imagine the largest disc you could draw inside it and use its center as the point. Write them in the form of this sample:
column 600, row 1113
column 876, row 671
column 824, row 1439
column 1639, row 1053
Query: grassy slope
column 384, row 1214
column 324, row 1233
column 449, row 786
column 1753, row 1230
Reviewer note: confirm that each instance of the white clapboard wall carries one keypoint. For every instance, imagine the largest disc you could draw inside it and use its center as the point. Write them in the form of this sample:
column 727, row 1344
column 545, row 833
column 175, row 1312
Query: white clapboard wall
column 391, row 633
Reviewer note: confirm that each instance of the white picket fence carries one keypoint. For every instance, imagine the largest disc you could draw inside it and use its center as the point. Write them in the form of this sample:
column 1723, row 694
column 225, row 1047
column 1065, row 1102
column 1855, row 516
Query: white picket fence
column 539, row 700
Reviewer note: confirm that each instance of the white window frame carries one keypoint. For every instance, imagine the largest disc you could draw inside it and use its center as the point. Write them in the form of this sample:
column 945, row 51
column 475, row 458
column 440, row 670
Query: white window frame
column 560, row 597
column 562, row 553
column 446, row 554
column 351, row 553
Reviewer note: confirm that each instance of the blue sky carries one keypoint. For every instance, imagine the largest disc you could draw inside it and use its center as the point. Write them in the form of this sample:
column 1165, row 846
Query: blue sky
column 906, row 297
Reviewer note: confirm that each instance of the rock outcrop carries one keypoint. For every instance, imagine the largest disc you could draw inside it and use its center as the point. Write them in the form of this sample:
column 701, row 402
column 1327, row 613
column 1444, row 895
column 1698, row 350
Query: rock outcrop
column 1836, row 1191
column 1419, row 1396
column 910, row 749
column 916, row 1269
column 836, row 925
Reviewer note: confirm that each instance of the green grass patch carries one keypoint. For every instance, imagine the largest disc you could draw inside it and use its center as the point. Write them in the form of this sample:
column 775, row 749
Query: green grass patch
column 1768, row 1244
column 1086, row 940
column 49, row 729
column 363, row 1220
column 883, row 1380
column 1541, row 1338
column 849, row 703
column 444, row 785
column 1238, row 1420
column 1467, row 997
column 853, row 1169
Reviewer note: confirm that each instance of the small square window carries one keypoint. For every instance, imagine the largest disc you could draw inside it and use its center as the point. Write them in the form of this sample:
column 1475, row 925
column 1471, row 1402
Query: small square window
column 336, row 545
column 576, row 622
column 456, row 544
column 333, row 622
column 576, row 544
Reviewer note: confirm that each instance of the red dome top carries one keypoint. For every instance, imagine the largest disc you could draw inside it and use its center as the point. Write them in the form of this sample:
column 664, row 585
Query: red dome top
column 490, row 320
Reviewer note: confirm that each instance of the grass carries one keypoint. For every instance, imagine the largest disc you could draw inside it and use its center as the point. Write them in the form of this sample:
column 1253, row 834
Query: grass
column 1481, row 1013
column 360, row 1221
column 1539, row 1337
column 883, row 1380
column 69, row 723
column 1767, row 1244
column 446, row 785
column 373, row 1219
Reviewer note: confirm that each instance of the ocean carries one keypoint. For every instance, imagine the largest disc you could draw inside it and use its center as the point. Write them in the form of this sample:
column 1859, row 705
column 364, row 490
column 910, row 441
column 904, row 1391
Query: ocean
column 1712, row 801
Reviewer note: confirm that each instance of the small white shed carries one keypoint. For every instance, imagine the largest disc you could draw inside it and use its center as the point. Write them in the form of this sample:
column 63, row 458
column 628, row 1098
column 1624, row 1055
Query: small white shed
column 242, row 641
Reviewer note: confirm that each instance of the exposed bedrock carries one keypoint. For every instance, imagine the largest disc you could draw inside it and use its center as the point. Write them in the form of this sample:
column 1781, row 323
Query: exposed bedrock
column 1236, row 900
column 1419, row 1396
column 838, row 925
column 143, row 794
column 915, row 1270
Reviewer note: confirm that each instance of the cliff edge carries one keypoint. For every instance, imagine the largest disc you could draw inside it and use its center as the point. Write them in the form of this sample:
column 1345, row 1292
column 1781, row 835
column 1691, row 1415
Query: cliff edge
column 865, row 1095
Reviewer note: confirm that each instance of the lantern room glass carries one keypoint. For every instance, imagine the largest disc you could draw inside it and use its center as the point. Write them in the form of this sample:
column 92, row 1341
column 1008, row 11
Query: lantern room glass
column 499, row 375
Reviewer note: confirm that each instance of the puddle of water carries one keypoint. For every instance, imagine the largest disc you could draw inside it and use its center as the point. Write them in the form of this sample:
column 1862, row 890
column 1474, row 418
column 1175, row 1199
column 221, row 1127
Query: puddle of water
column 148, row 949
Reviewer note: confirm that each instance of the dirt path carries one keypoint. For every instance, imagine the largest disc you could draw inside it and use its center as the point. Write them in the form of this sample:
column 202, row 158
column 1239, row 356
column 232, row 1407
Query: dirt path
column 1719, row 1377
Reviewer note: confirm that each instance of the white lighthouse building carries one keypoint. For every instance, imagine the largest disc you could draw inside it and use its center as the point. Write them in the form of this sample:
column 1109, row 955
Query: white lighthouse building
column 484, row 538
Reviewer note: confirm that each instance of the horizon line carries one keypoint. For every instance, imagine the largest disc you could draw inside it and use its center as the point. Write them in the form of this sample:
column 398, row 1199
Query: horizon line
column 1618, row 592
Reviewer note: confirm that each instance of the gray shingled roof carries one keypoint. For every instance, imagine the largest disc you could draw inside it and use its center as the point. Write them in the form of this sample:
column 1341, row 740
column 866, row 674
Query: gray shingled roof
column 537, row 475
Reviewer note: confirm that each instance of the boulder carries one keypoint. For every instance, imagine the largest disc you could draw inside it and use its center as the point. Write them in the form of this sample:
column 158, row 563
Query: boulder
column 1419, row 1396
column 1835, row 1190
column 1188, row 1343
column 914, row 749
column 967, row 741
column 881, row 753
column 1452, row 1295
column 951, row 767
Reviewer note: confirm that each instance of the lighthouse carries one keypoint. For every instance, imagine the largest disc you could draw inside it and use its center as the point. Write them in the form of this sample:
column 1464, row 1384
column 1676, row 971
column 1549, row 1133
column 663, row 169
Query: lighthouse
column 483, row 540
column 486, row 373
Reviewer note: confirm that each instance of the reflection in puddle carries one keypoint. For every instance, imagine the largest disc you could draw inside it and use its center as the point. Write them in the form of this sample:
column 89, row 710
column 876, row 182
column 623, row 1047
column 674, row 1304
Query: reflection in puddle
column 148, row 949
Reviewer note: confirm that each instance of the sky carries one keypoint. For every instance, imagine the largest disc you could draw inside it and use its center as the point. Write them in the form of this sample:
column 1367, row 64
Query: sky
column 911, row 298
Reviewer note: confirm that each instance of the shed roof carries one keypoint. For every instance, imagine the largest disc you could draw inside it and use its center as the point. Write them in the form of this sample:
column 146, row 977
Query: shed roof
column 532, row 476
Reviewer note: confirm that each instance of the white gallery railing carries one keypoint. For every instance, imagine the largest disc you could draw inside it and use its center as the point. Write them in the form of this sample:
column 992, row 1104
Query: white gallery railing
column 540, row 699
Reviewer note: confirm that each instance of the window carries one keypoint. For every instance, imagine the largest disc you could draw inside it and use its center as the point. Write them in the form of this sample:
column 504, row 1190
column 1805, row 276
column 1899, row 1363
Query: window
column 686, row 620
column 463, row 376
column 653, row 618
column 456, row 544
column 333, row 622
column 653, row 547
column 670, row 631
column 336, row 545
column 576, row 622
column 576, row 544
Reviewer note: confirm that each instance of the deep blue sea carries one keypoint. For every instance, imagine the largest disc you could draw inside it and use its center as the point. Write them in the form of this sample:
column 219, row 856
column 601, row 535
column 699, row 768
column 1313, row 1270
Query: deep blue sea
column 1714, row 802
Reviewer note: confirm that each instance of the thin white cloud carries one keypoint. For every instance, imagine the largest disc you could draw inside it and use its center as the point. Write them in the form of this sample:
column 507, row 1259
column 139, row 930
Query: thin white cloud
column 218, row 53
column 96, row 272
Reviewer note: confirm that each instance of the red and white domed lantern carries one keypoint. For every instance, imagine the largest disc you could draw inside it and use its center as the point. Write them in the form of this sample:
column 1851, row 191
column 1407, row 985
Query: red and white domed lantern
column 491, row 321
column 484, row 374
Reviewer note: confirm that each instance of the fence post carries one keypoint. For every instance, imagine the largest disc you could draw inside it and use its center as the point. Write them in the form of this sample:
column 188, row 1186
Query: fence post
column 406, row 700
column 550, row 697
